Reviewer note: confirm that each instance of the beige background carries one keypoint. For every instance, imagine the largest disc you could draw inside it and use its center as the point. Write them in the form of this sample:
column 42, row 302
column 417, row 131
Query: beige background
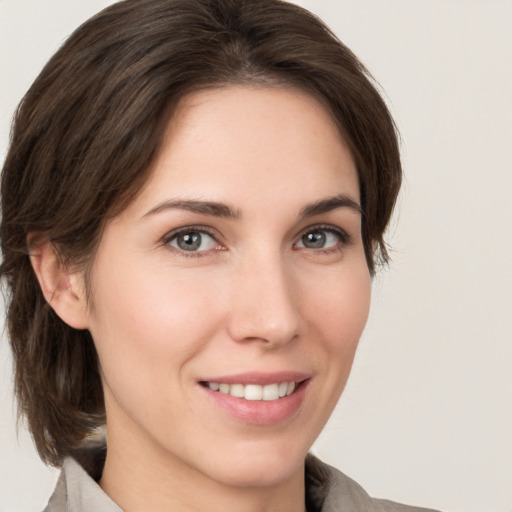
column 427, row 415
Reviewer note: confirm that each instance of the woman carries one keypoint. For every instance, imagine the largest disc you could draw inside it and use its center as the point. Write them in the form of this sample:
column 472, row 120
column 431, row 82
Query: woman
column 194, row 203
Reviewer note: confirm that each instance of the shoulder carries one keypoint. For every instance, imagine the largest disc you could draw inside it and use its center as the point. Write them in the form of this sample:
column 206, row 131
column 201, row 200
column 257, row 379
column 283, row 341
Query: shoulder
column 331, row 491
column 78, row 491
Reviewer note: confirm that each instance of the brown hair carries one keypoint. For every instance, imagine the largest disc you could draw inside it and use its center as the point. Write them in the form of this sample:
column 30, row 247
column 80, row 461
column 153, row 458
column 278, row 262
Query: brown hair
column 87, row 131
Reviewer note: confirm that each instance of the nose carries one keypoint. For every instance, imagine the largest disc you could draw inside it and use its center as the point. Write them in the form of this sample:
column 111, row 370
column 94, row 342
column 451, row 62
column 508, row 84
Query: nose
column 264, row 303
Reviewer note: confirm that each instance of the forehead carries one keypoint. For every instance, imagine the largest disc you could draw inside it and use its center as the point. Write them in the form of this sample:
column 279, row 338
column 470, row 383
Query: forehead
column 273, row 142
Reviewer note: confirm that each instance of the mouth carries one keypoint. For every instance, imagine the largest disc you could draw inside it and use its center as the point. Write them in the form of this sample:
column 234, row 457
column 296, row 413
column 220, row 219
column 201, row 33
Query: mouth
column 256, row 398
column 253, row 392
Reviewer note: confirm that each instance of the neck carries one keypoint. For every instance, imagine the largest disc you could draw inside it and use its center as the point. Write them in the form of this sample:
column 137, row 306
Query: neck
column 142, row 477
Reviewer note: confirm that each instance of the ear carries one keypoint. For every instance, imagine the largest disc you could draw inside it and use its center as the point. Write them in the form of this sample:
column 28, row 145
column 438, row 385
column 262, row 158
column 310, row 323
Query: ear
column 62, row 289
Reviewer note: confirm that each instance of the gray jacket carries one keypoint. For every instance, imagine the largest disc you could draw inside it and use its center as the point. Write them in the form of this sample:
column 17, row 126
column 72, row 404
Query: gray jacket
column 327, row 489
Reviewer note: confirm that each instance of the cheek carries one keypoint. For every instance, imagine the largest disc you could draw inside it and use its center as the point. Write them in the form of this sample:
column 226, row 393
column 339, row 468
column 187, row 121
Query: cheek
column 337, row 314
column 145, row 330
column 150, row 307
column 338, row 307
column 146, row 327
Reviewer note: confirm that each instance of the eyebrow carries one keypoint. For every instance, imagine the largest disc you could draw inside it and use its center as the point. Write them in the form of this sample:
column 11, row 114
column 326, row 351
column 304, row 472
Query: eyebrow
column 329, row 204
column 203, row 207
column 216, row 209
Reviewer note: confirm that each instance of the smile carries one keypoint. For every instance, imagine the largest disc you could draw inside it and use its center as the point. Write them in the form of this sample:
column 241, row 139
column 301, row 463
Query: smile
column 269, row 392
column 258, row 398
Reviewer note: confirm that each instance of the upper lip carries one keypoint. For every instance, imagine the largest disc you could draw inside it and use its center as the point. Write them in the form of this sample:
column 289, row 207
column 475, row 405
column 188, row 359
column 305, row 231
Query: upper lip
column 261, row 378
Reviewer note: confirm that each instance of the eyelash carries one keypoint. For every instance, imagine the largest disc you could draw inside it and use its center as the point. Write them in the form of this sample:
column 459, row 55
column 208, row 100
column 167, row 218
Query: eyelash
column 344, row 239
column 186, row 230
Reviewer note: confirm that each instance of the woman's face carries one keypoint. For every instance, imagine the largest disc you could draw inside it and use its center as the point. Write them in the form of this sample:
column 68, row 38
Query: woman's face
column 237, row 273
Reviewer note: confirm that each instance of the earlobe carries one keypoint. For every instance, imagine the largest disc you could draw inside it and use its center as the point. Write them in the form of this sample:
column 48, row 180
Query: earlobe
column 62, row 289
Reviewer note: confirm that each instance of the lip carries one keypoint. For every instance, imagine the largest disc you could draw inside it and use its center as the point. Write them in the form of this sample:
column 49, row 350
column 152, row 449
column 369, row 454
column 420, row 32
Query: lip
column 261, row 378
column 259, row 412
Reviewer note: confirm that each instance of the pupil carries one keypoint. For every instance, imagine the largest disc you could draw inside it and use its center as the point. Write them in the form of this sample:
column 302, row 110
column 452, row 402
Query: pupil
column 314, row 240
column 189, row 242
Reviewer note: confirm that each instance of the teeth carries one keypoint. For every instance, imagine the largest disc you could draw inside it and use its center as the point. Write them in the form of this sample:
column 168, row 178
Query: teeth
column 269, row 393
column 253, row 392
column 237, row 390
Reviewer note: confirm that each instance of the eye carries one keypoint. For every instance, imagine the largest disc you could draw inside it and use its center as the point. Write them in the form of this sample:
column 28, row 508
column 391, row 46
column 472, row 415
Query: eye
column 322, row 238
column 192, row 240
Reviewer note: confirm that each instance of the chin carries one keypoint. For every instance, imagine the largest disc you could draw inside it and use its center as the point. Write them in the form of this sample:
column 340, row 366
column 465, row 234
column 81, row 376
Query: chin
column 258, row 466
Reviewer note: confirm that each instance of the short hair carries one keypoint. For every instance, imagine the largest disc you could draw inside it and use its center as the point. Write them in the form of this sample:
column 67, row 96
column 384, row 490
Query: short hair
column 87, row 131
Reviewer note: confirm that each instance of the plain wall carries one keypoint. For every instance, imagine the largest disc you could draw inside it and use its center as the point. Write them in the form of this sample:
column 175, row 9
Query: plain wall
column 427, row 415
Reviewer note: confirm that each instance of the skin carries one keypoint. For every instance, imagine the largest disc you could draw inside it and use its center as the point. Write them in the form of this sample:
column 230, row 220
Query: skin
column 254, row 298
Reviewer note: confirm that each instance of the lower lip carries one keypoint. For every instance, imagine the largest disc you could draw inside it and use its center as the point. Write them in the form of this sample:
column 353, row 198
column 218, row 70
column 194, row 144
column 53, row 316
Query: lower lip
column 260, row 412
